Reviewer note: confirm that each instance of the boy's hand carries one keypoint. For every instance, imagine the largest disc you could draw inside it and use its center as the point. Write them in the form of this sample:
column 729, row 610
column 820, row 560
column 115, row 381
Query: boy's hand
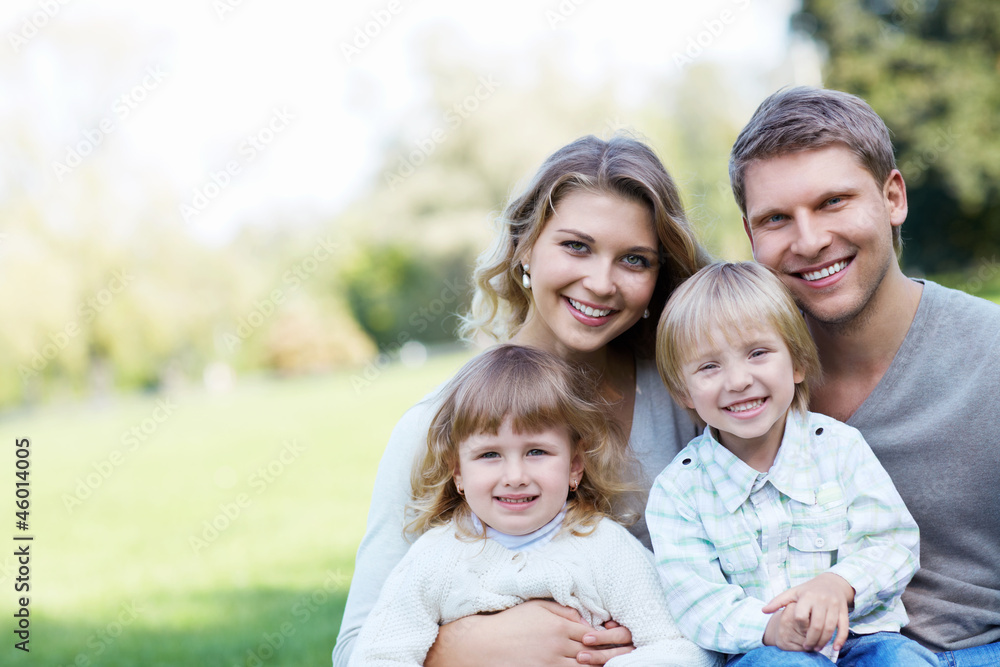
column 821, row 606
column 784, row 631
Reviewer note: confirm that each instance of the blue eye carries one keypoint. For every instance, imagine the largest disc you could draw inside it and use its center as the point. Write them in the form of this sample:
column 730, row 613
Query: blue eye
column 537, row 452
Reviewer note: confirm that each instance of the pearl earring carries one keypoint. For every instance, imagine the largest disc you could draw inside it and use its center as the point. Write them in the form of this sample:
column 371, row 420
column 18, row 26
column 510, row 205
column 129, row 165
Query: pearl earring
column 525, row 278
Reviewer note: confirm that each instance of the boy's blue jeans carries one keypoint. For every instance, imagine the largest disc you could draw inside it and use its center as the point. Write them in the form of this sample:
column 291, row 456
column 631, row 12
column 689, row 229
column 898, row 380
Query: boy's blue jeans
column 987, row 655
column 881, row 649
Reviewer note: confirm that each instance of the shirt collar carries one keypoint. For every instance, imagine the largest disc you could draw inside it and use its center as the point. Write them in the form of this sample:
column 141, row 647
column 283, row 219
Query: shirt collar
column 792, row 473
column 530, row 542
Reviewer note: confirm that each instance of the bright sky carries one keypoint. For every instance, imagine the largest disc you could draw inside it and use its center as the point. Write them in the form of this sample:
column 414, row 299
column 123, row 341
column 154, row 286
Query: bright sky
column 287, row 106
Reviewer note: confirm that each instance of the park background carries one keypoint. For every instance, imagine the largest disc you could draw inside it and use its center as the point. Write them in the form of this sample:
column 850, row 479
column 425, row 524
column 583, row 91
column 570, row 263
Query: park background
column 234, row 235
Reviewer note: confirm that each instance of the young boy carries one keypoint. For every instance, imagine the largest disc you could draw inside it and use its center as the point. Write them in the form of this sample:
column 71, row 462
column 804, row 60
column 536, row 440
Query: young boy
column 776, row 531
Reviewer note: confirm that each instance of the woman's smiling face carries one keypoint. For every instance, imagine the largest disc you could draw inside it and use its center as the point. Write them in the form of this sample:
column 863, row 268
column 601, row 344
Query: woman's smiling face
column 593, row 270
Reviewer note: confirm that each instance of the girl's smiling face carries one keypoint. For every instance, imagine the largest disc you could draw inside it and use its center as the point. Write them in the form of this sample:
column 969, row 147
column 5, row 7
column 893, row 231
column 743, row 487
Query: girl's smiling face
column 517, row 482
column 593, row 271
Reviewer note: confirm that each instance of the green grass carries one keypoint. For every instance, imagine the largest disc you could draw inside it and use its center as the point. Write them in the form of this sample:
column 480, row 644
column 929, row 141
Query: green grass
column 115, row 577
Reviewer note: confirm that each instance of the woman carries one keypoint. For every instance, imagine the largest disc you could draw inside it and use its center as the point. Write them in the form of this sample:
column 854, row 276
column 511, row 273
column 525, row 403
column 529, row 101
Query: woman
column 584, row 260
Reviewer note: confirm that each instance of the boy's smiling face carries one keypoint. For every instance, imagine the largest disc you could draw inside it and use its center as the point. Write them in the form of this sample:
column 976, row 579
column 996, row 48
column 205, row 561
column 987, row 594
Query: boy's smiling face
column 742, row 385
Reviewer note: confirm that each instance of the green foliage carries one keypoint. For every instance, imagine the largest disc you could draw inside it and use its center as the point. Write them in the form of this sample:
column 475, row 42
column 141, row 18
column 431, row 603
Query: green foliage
column 397, row 295
column 930, row 70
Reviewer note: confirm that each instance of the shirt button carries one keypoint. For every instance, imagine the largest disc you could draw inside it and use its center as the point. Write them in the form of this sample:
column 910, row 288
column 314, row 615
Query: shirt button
column 729, row 566
column 820, row 542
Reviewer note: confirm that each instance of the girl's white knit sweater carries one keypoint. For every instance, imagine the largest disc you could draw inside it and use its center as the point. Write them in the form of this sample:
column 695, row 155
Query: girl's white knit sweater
column 605, row 575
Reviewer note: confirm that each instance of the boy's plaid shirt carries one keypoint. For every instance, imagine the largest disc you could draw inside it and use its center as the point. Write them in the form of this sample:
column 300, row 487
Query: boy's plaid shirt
column 728, row 538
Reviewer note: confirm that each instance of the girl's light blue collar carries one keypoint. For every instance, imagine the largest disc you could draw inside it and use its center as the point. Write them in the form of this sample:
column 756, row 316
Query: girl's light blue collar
column 530, row 542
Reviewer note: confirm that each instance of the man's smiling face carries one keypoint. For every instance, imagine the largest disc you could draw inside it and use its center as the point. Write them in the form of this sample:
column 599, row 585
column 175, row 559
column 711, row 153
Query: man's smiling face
column 820, row 220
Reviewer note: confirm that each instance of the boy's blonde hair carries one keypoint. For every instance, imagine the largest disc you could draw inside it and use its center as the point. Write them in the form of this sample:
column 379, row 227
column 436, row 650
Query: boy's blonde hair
column 536, row 390
column 733, row 297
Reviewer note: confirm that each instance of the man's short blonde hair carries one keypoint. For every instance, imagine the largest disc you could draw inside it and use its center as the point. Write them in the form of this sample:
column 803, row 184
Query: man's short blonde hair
column 734, row 298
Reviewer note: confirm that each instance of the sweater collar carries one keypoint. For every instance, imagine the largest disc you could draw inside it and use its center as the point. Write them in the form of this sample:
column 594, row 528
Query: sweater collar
column 530, row 542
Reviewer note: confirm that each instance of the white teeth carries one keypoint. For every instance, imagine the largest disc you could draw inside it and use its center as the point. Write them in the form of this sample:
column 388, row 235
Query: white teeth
column 517, row 500
column 823, row 273
column 743, row 407
column 587, row 310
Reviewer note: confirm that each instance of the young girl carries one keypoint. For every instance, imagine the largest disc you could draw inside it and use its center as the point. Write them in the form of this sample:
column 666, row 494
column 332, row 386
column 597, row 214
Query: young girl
column 515, row 497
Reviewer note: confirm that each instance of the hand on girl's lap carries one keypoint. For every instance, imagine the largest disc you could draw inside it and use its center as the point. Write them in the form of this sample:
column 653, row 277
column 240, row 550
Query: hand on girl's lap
column 537, row 632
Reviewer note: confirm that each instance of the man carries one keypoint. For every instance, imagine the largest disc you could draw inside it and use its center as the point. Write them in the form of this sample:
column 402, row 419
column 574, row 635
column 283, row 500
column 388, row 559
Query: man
column 913, row 365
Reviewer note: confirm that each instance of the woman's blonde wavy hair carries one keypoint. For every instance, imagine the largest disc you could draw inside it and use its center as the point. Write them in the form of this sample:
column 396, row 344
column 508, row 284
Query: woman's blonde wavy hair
column 535, row 390
column 620, row 167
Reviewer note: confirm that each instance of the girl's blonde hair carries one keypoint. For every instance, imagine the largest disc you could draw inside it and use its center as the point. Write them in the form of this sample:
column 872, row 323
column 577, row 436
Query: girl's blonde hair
column 535, row 390
column 620, row 167
column 733, row 298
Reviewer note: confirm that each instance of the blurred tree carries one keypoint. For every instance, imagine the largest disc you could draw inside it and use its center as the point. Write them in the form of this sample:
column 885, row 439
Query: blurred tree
column 694, row 124
column 102, row 287
column 932, row 70
column 398, row 295
column 480, row 134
